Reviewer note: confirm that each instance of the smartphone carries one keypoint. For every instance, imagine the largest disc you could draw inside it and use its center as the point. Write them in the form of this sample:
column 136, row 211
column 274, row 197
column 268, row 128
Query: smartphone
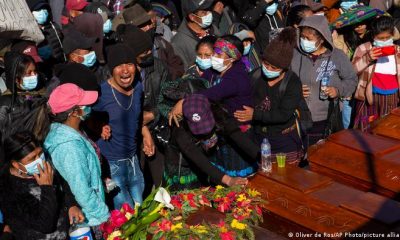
column 388, row 50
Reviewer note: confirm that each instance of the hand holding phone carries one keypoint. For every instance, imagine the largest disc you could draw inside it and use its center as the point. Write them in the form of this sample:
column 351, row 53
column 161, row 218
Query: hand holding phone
column 388, row 50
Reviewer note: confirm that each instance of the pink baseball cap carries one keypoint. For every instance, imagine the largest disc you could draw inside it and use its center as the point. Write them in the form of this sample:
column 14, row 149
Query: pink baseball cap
column 68, row 95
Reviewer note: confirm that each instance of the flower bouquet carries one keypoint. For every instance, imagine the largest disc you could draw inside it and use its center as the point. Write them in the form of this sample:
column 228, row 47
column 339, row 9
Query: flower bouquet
column 205, row 213
column 128, row 223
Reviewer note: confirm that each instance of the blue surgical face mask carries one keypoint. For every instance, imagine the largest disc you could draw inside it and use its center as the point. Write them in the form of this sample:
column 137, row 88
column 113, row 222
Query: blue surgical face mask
column 29, row 83
column 308, row 46
column 203, row 64
column 348, row 4
column 41, row 16
column 31, row 168
column 86, row 112
column 379, row 43
column 247, row 49
column 270, row 74
column 89, row 59
column 107, row 26
column 206, row 20
column 271, row 9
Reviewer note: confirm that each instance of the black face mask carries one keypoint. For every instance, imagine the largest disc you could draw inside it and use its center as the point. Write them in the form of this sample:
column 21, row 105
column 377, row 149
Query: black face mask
column 147, row 61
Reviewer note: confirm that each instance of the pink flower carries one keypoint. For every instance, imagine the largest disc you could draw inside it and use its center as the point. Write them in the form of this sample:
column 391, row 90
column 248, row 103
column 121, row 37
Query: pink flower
column 117, row 218
column 127, row 208
column 227, row 236
column 221, row 224
column 106, row 228
column 165, row 225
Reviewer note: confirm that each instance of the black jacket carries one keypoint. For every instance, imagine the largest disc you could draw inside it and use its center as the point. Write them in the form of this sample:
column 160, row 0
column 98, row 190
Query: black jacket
column 282, row 108
column 154, row 76
column 262, row 24
column 36, row 212
column 53, row 38
column 165, row 52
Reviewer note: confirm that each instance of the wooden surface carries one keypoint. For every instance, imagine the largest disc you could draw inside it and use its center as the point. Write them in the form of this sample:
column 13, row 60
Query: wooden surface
column 389, row 126
column 365, row 161
column 319, row 204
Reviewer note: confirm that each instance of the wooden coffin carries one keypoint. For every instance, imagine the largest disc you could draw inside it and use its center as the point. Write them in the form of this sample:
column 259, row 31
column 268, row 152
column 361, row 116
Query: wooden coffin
column 365, row 161
column 389, row 126
column 307, row 205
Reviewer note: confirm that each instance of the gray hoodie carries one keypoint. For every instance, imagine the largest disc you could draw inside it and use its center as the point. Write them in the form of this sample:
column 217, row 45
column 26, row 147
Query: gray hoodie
column 339, row 70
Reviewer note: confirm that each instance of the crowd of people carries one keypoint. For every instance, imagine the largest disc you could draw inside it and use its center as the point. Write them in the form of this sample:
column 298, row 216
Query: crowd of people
column 123, row 96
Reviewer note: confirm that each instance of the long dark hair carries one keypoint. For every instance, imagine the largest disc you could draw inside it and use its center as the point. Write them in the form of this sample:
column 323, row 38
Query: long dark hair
column 19, row 145
column 352, row 39
column 382, row 24
column 296, row 15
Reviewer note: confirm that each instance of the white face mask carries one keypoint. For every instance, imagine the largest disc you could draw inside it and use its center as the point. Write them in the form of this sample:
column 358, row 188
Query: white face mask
column 218, row 64
column 206, row 20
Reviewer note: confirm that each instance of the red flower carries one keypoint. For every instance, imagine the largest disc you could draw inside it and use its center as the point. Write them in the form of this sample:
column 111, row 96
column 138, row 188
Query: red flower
column 190, row 196
column 117, row 219
column 165, row 225
column 117, row 238
column 176, row 202
column 221, row 224
column 106, row 228
column 258, row 210
column 231, row 195
column 192, row 204
column 126, row 208
column 227, row 236
column 204, row 201
column 225, row 204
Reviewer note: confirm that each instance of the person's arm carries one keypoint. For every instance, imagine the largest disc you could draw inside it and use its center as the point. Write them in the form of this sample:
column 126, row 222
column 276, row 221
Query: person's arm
column 70, row 161
column 226, row 88
column 348, row 77
column 195, row 154
column 287, row 106
column 361, row 59
column 253, row 15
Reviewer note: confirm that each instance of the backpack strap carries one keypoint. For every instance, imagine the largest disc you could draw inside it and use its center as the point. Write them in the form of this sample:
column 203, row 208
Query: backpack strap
column 284, row 83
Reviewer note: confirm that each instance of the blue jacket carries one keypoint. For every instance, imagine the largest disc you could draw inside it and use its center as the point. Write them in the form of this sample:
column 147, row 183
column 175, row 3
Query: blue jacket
column 76, row 160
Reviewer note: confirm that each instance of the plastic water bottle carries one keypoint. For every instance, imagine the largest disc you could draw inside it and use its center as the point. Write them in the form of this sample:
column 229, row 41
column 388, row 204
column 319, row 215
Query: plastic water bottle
column 266, row 162
column 79, row 233
column 324, row 86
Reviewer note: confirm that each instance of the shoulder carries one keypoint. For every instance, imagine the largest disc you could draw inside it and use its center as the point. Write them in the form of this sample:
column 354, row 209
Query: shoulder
column 294, row 80
column 364, row 47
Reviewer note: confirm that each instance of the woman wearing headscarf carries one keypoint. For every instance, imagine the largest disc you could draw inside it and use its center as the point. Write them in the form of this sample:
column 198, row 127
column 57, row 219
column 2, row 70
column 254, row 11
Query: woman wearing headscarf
column 230, row 87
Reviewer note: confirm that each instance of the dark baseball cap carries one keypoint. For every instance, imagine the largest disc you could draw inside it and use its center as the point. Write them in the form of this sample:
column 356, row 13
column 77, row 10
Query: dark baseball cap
column 190, row 6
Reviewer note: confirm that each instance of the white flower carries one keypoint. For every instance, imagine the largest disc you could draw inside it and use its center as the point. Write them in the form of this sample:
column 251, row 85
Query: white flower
column 162, row 196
